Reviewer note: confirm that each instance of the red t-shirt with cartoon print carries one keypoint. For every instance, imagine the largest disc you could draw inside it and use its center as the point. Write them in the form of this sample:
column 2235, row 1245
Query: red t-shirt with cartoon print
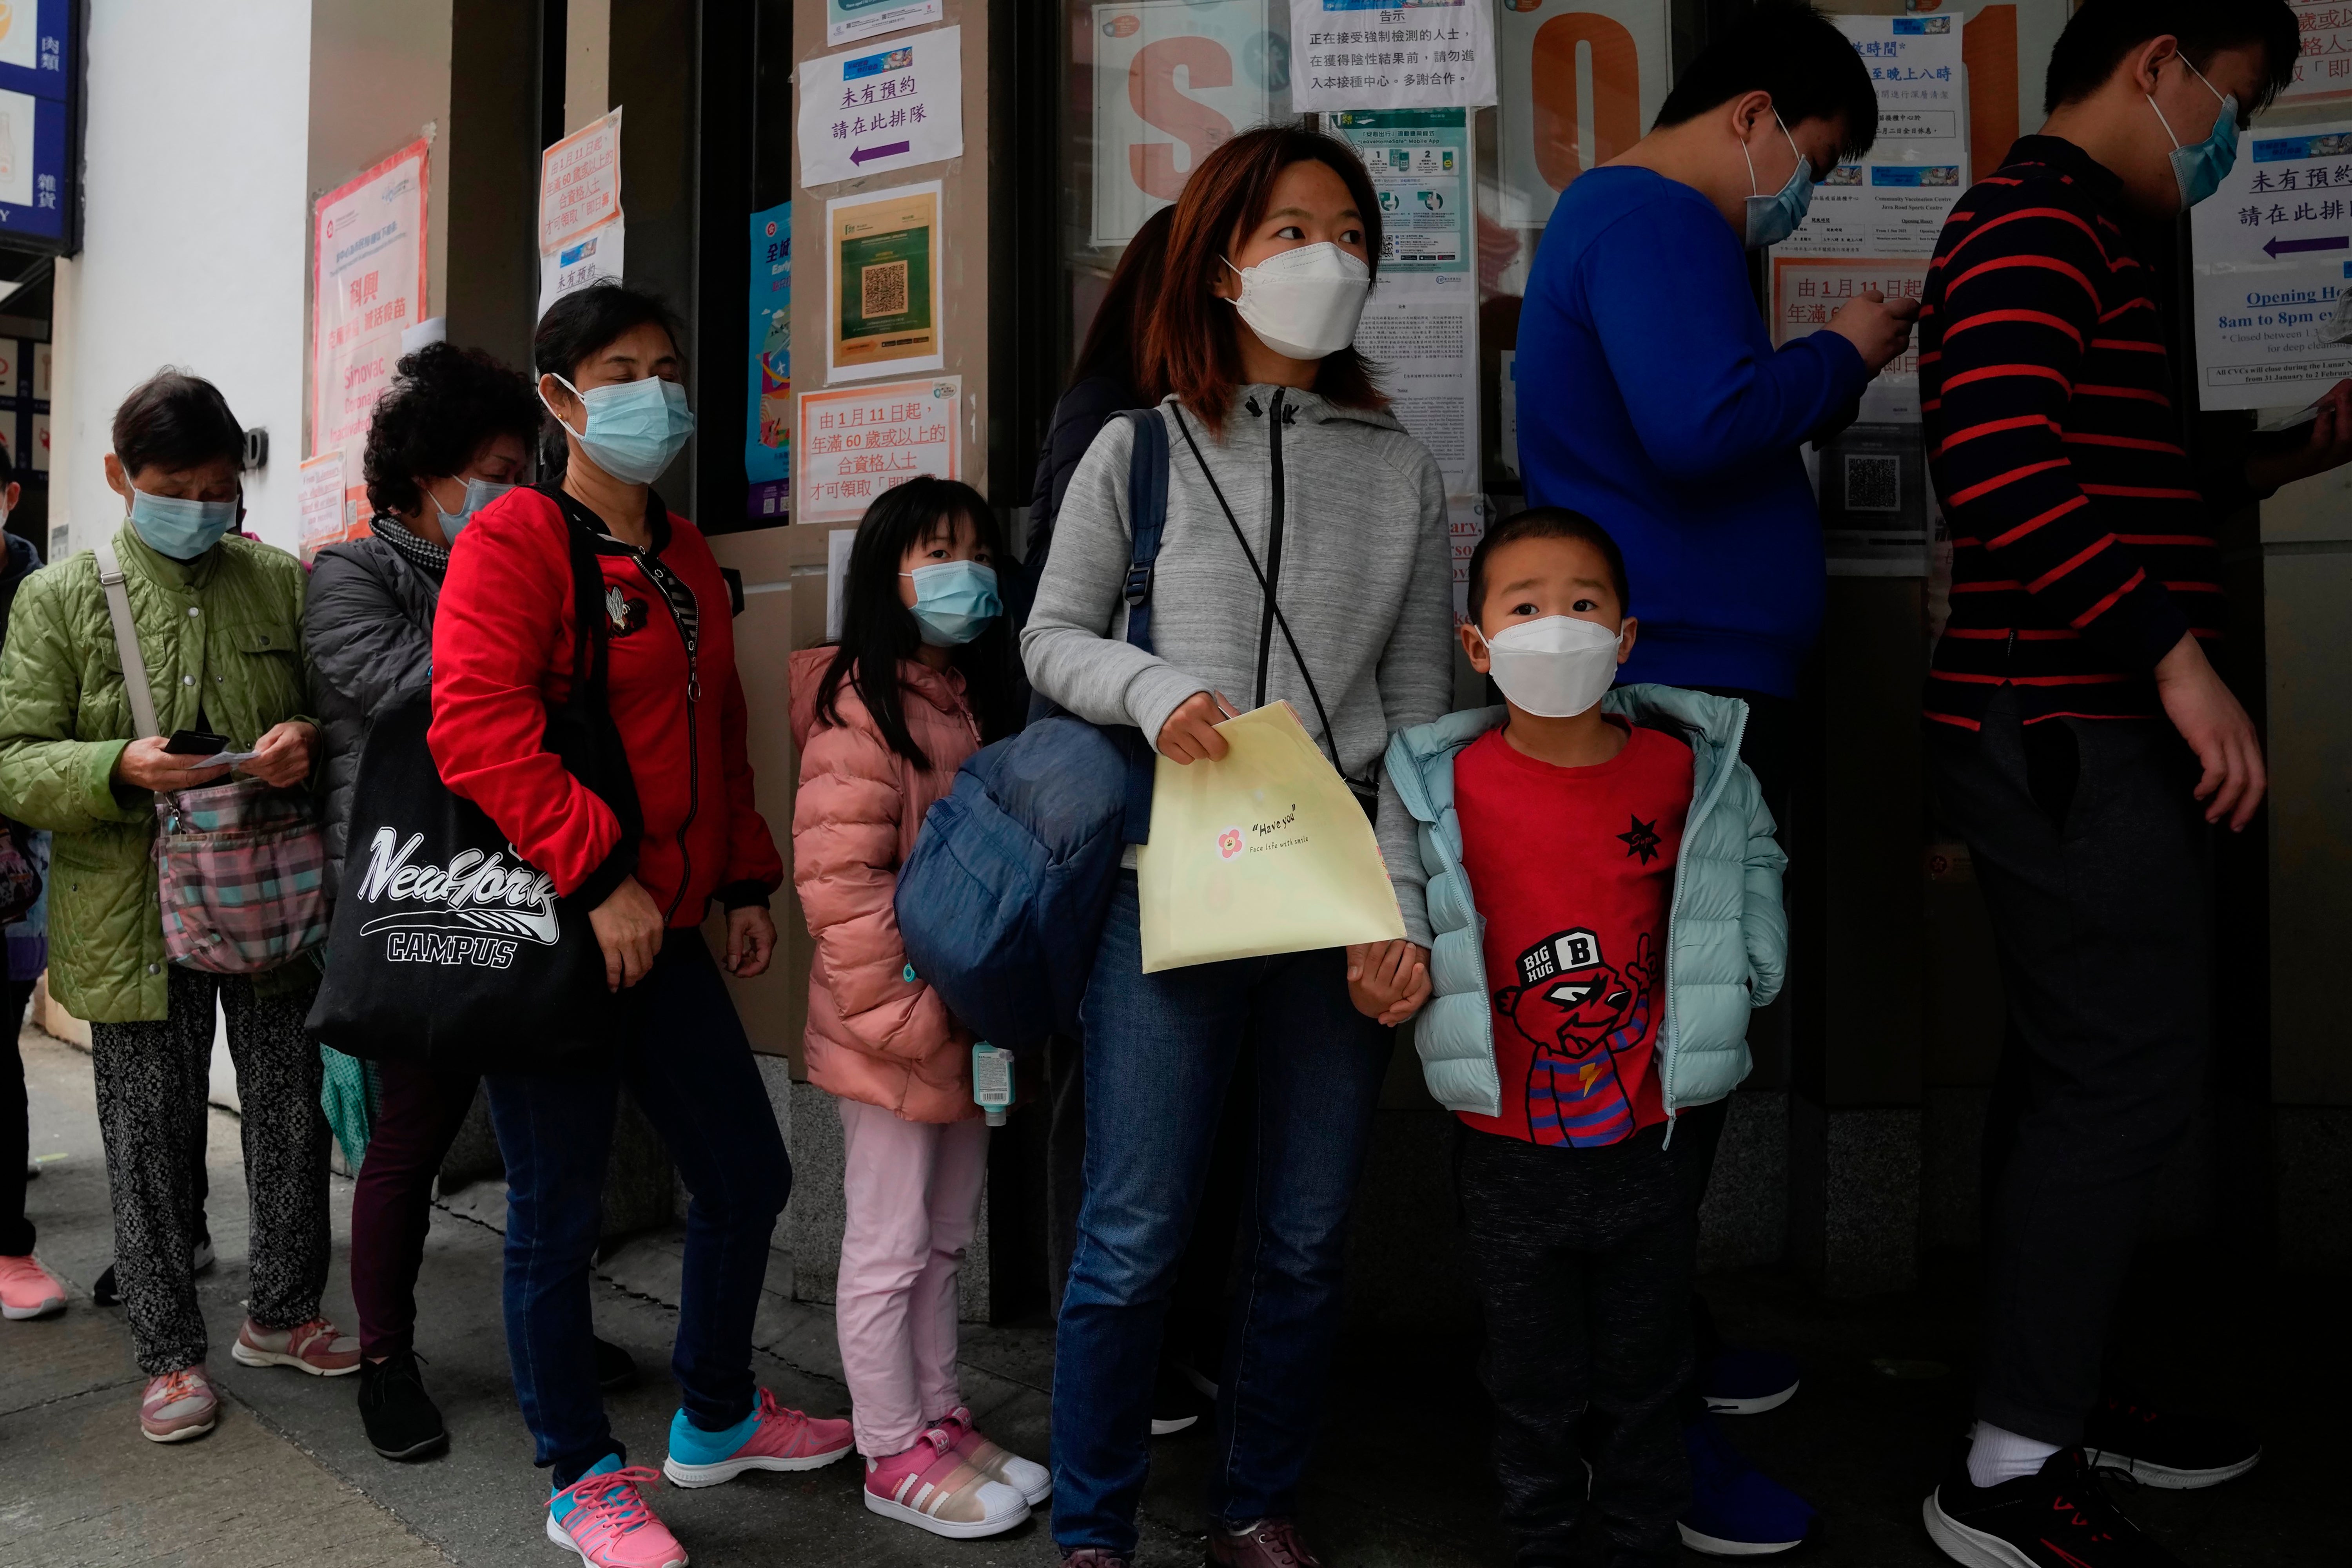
column 1573, row 868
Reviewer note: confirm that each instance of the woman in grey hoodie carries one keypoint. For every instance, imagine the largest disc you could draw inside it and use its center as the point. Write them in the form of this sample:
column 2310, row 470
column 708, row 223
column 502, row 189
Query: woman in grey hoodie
column 1284, row 468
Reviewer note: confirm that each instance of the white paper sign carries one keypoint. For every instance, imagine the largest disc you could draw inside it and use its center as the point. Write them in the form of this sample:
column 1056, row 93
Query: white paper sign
column 877, row 111
column 2324, row 71
column 1579, row 81
column 857, row 442
column 846, row 21
column 369, row 288
column 581, row 235
column 1893, row 203
column 1391, row 54
column 319, row 497
column 2273, row 251
column 838, row 546
column 1424, row 347
column 1172, row 79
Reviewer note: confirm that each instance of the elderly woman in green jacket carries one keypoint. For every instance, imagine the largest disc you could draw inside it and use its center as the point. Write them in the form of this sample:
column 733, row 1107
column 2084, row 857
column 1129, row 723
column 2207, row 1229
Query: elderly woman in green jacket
column 218, row 618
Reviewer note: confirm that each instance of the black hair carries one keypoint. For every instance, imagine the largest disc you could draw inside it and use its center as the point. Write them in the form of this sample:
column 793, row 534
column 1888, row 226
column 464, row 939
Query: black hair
column 1545, row 523
column 8, row 465
column 877, row 630
column 443, row 403
column 1114, row 340
column 175, row 421
column 1791, row 50
column 2104, row 31
column 578, row 327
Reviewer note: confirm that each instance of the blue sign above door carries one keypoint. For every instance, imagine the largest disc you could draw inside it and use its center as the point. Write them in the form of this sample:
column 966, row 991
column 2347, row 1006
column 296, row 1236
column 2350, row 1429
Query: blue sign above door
column 38, row 73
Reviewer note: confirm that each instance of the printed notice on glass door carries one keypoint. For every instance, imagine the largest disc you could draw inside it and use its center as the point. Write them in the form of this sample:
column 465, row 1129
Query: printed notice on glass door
column 1426, row 347
column 882, row 294
column 581, row 235
column 2324, row 71
column 1419, row 160
column 2273, row 254
column 1808, row 290
column 1893, row 203
column 1172, row 78
column 768, row 426
column 877, row 111
column 857, row 442
column 370, row 287
column 1391, row 54
column 846, row 21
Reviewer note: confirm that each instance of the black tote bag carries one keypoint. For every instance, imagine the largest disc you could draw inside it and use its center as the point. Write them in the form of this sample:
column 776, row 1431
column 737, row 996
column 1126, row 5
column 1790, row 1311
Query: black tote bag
column 446, row 944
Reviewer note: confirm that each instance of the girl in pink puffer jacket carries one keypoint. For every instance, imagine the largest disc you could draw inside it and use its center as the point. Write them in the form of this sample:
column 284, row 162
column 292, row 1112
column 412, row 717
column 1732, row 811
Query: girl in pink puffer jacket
column 920, row 678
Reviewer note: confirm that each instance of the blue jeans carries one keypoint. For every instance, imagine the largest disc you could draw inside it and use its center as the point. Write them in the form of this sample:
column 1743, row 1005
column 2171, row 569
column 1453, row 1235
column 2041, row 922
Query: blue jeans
column 690, row 1066
column 1160, row 1049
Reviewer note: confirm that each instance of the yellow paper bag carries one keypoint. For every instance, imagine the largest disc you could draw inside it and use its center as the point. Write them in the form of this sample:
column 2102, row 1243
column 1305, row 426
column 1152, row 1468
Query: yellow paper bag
column 1267, row 852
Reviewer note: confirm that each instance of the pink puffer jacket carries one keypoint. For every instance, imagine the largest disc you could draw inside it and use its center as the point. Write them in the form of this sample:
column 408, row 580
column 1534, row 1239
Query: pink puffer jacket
column 875, row 1035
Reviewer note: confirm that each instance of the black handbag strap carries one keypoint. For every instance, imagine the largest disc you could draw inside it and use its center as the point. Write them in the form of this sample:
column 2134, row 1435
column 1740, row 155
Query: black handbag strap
column 1322, row 718
column 591, row 654
column 1146, row 522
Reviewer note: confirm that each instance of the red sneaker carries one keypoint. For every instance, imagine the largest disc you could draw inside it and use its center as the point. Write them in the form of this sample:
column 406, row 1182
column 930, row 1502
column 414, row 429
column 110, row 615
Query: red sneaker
column 27, row 1290
column 316, row 1347
column 603, row 1520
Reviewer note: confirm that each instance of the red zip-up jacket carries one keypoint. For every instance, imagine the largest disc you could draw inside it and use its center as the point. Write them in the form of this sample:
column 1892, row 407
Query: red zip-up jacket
column 502, row 641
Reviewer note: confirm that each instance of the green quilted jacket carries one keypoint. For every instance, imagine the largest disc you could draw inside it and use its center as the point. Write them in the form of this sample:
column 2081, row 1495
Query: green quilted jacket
column 221, row 634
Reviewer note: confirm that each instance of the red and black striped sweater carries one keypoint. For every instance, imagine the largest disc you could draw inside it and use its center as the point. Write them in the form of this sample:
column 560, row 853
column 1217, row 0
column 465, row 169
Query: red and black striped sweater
column 2083, row 544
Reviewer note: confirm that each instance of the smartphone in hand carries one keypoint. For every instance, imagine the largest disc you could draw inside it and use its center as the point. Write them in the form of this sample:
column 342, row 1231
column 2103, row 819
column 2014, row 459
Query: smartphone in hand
column 195, row 743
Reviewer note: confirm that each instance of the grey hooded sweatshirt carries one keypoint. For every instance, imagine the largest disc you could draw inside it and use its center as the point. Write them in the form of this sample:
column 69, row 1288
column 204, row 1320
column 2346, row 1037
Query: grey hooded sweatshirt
column 1346, row 515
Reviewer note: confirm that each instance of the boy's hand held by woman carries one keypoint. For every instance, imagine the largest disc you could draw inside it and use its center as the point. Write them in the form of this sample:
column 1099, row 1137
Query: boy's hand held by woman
column 1388, row 980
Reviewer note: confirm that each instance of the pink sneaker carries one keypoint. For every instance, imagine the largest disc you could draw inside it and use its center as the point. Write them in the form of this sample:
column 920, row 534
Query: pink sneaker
column 603, row 1519
column 27, row 1290
column 933, row 1487
column 316, row 1347
column 773, row 1438
column 1033, row 1480
column 178, row 1406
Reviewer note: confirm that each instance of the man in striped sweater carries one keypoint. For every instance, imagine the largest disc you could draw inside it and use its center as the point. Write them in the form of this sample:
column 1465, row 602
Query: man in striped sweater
column 2078, row 737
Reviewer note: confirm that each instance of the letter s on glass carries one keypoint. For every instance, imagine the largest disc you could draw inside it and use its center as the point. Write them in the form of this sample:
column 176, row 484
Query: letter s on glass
column 1151, row 91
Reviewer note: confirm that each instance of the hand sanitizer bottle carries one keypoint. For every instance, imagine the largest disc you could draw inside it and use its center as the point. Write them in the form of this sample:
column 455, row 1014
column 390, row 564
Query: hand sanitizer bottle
column 992, row 1079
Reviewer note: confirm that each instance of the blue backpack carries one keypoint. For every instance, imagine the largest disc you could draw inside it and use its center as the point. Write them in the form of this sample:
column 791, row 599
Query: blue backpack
column 1002, row 902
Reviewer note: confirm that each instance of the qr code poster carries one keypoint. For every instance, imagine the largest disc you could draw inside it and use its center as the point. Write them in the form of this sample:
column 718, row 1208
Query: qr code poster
column 1808, row 290
column 883, row 293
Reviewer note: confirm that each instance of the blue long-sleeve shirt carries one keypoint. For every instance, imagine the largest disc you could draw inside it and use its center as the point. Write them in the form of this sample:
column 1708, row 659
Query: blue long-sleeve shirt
column 1652, row 400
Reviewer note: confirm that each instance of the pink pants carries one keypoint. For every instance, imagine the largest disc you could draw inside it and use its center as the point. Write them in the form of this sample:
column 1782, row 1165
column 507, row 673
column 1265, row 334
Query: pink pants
column 913, row 1197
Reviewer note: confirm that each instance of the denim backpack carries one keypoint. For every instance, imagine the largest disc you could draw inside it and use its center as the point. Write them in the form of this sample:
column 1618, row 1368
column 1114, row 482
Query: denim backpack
column 1002, row 902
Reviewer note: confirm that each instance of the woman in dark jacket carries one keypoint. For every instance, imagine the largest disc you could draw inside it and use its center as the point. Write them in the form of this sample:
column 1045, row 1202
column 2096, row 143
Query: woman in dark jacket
column 451, row 434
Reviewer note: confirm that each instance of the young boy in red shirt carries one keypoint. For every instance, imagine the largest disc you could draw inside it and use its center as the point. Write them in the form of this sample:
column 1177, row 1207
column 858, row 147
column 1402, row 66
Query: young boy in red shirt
column 1606, row 892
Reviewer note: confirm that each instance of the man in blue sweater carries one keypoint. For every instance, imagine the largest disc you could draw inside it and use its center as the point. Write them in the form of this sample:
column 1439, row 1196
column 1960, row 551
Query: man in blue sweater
column 1652, row 400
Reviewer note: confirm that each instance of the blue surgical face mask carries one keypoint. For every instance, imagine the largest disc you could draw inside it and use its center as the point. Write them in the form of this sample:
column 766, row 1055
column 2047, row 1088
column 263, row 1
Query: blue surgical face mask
column 634, row 428
column 1771, row 219
column 479, row 493
column 180, row 528
column 2201, row 168
column 954, row 600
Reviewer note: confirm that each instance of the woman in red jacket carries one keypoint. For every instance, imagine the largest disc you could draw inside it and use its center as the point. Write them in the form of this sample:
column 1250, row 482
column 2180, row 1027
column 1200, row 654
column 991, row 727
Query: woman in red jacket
column 502, row 644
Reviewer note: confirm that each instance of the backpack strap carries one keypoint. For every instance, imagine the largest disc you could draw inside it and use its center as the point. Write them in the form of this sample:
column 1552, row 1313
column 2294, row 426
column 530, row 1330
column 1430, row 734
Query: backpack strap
column 126, row 640
column 1147, row 520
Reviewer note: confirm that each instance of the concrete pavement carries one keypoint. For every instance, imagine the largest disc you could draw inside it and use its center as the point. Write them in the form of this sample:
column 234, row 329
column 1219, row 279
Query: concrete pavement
column 1400, row 1478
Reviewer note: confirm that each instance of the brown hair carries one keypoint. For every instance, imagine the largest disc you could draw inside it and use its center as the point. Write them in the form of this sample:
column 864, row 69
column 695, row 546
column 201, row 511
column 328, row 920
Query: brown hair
column 1189, row 348
column 1114, row 342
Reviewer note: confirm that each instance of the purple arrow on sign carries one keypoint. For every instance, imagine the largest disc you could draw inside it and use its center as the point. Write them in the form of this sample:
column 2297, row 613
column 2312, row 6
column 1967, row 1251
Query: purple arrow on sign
column 2278, row 248
column 887, row 150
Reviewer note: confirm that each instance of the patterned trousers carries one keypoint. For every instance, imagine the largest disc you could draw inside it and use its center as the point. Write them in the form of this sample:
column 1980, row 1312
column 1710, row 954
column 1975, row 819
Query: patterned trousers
column 152, row 1079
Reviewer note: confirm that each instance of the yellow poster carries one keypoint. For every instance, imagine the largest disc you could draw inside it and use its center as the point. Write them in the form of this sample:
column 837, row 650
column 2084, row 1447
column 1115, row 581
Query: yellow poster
column 882, row 289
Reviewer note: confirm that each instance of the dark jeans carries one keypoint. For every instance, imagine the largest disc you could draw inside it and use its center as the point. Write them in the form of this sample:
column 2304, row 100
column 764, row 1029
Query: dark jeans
column 420, row 1111
column 15, row 1135
column 1195, row 1335
column 2095, row 865
column 1583, row 1261
column 1159, row 1052
column 688, row 1065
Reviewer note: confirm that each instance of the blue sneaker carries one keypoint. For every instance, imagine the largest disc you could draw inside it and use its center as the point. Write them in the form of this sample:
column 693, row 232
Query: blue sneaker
column 1736, row 1510
column 1737, row 1381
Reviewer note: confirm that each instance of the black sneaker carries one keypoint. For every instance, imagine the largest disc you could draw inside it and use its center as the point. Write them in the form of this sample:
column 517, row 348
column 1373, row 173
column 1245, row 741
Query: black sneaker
column 615, row 1369
column 1175, row 1407
column 402, row 1420
column 2060, row 1517
column 2178, row 1453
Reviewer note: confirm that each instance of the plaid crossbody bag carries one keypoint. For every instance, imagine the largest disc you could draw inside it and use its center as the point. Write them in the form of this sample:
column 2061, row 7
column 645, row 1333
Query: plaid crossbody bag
column 240, row 865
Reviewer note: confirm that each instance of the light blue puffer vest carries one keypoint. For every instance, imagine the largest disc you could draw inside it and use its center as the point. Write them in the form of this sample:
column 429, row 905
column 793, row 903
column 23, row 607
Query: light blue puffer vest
column 1727, row 941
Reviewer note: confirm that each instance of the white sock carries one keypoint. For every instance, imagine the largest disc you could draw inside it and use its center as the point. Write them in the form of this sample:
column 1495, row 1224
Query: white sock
column 1996, row 1455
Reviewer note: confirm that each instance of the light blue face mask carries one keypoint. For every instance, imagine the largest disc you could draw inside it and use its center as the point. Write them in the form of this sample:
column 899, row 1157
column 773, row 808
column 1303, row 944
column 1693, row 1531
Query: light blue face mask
column 180, row 528
column 2199, row 170
column 479, row 493
column 954, row 600
column 1771, row 219
column 634, row 428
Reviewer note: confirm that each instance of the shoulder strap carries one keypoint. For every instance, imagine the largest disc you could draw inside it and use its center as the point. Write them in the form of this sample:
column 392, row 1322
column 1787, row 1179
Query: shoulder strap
column 589, row 646
column 126, row 640
column 1147, row 516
